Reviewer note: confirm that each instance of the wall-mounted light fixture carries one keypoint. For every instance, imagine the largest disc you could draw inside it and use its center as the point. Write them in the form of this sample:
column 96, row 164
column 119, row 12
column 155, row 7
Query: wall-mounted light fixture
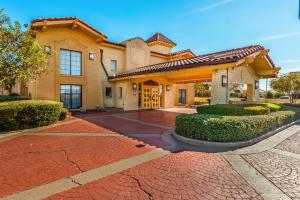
column 134, row 86
column 167, row 88
column 256, row 84
column 47, row 50
column 224, row 80
column 91, row 56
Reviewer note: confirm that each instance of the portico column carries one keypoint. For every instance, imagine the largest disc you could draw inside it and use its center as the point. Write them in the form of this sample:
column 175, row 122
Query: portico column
column 219, row 91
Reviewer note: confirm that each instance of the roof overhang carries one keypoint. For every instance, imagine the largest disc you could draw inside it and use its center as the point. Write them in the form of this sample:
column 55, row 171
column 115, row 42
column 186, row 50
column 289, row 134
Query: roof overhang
column 73, row 23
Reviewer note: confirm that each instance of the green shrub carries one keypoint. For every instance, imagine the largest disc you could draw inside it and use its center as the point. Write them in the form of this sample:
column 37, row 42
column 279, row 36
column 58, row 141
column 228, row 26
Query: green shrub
column 234, row 110
column 28, row 113
column 4, row 98
column 231, row 128
column 272, row 107
column 13, row 94
column 63, row 114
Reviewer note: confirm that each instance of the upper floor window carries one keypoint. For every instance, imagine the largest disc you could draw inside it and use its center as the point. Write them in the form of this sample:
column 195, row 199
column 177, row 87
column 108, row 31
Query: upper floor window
column 70, row 62
column 113, row 65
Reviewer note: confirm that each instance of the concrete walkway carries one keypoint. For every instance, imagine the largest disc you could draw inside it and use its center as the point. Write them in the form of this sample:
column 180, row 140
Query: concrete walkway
column 83, row 159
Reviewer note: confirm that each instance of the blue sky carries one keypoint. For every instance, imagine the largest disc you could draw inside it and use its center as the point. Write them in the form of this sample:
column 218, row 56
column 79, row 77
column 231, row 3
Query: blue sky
column 204, row 26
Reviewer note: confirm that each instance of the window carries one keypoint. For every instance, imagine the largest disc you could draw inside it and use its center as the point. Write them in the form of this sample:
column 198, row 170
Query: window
column 120, row 92
column 70, row 62
column 113, row 65
column 182, row 96
column 108, row 92
column 70, row 95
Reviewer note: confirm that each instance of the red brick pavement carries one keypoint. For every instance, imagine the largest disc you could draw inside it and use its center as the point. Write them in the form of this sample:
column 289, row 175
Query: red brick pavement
column 158, row 142
column 186, row 175
column 283, row 171
column 29, row 161
column 78, row 126
column 124, row 126
column 157, row 117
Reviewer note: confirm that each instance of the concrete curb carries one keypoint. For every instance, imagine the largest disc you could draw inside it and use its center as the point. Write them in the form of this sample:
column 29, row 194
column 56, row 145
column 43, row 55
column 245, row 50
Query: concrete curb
column 232, row 144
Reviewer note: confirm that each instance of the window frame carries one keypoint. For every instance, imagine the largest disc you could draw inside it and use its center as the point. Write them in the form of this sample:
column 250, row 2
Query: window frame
column 70, row 74
column 116, row 67
column 120, row 92
column 60, row 96
column 106, row 96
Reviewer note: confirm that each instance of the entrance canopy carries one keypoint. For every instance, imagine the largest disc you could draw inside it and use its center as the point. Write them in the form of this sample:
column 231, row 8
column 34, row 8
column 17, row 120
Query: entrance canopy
column 201, row 68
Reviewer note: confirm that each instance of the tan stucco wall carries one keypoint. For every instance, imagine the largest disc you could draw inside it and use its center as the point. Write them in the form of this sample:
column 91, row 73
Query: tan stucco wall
column 48, row 86
column 137, row 53
column 190, row 93
column 242, row 74
column 161, row 49
column 156, row 59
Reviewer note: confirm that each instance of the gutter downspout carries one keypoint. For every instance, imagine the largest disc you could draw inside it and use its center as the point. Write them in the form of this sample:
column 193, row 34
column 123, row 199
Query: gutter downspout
column 106, row 73
column 102, row 64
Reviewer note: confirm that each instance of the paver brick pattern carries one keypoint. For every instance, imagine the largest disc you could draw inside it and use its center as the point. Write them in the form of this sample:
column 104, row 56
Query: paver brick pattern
column 29, row 161
column 78, row 126
column 186, row 175
column 156, row 117
column 124, row 126
column 292, row 144
column 283, row 171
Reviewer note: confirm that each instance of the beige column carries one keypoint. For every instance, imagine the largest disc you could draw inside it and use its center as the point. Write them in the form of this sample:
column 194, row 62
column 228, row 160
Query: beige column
column 219, row 93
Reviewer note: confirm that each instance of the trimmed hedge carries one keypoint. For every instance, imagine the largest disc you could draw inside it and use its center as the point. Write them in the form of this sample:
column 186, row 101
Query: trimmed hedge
column 4, row 98
column 272, row 107
column 29, row 113
column 234, row 110
column 231, row 128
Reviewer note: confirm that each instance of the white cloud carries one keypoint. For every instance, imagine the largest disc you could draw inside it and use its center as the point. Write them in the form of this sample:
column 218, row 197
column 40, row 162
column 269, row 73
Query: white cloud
column 207, row 7
column 276, row 37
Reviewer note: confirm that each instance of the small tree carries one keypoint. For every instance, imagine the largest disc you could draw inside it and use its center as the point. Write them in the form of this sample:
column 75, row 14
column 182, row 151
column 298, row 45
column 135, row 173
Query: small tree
column 288, row 84
column 21, row 57
column 202, row 90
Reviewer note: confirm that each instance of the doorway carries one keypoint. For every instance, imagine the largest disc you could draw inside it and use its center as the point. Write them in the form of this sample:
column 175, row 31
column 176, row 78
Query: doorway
column 150, row 95
column 182, row 96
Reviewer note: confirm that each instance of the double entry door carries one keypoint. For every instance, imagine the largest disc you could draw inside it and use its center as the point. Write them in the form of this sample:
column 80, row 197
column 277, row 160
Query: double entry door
column 150, row 97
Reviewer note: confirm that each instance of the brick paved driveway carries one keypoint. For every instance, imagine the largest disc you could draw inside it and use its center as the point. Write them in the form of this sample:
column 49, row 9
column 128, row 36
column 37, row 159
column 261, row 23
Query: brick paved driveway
column 84, row 158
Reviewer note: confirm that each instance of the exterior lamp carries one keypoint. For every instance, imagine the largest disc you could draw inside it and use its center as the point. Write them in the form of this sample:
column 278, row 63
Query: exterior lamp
column 167, row 88
column 256, row 84
column 91, row 56
column 134, row 86
column 47, row 50
column 224, row 80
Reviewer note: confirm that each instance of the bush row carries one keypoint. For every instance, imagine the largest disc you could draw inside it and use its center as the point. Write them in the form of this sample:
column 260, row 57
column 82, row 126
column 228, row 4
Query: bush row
column 4, row 98
column 239, row 110
column 231, row 128
column 30, row 113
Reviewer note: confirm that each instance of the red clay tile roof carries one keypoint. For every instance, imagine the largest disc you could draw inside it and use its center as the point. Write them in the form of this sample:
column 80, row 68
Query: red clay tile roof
column 174, row 53
column 67, row 18
column 160, row 37
column 222, row 57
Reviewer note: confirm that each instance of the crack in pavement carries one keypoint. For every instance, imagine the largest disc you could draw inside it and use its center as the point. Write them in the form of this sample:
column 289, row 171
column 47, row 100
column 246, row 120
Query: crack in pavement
column 71, row 161
column 149, row 195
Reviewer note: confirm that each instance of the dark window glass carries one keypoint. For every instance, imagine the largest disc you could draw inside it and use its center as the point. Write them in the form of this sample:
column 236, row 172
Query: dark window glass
column 70, row 95
column 70, row 62
column 108, row 92
column 182, row 96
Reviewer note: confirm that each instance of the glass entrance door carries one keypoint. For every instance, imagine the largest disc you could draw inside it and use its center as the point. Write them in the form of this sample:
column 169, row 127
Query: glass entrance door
column 70, row 95
column 182, row 96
